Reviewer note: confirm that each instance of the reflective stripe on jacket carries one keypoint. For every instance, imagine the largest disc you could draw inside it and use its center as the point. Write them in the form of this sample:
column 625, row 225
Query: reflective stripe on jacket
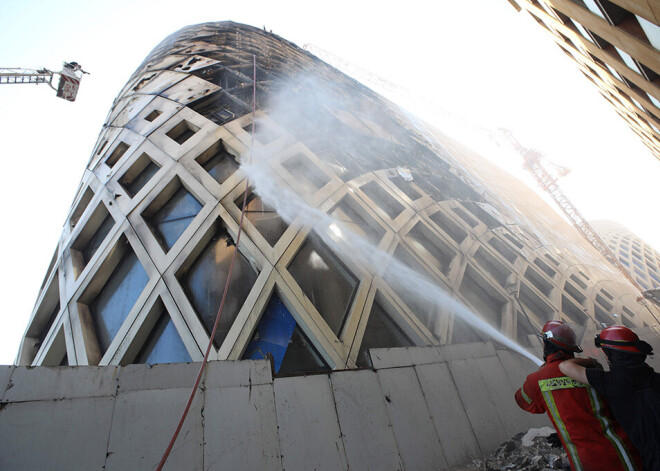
column 592, row 440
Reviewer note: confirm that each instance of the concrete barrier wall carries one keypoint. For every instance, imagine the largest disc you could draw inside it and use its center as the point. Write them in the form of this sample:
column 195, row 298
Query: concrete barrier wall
column 422, row 408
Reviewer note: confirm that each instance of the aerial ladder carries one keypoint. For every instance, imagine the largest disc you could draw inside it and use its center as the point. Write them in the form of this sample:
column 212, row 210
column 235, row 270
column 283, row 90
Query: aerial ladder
column 67, row 85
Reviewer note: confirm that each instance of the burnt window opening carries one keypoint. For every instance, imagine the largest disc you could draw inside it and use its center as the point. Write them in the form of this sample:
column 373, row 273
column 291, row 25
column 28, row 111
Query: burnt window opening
column 151, row 117
column 575, row 292
column 602, row 317
column 164, row 344
column 487, row 302
column 219, row 163
column 430, row 247
column 481, row 214
column 526, row 332
column 81, row 206
column 503, row 249
column 466, row 217
column 352, row 216
column 182, row 132
column 98, row 226
column 492, row 266
column 535, row 304
column 452, row 229
column 574, row 313
column 325, row 280
column 170, row 214
column 382, row 199
column 603, row 302
column 220, row 107
column 306, row 173
column 279, row 336
column 263, row 217
column 138, row 175
column 117, row 154
column 406, row 187
column 398, row 280
column 545, row 267
column 204, row 282
column 540, row 283
column 381, row 332
column 116, row 299
column 263, row 133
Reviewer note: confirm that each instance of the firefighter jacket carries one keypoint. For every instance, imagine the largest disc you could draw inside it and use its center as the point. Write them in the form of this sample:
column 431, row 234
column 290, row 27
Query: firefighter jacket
column 592, row 440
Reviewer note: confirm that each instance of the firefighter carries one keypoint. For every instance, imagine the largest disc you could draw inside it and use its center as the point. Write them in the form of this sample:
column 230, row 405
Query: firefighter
column 631, row 388
column 592, row 440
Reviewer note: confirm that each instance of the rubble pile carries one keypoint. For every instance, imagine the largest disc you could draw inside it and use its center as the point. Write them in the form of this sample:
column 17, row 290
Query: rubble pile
column 536, row 450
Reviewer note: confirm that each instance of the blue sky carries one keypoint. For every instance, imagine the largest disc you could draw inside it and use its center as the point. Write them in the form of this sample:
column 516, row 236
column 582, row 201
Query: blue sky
column 479, row 59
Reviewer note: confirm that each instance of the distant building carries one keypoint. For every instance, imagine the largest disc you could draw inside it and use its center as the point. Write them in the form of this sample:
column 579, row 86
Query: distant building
column 640, row 259
column 616, row 46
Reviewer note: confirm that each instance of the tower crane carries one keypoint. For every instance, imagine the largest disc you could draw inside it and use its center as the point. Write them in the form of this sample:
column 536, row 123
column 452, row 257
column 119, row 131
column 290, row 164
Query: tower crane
column 67, row 86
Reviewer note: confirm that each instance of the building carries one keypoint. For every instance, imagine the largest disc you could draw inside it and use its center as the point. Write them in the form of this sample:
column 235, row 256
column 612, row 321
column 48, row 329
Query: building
column 342, row 341
column 640, row 259
column 142, row 261
column 615, row 44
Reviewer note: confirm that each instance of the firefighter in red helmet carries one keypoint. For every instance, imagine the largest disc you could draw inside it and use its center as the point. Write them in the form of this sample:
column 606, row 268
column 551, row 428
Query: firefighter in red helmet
column 592, row 439
column 631, row 388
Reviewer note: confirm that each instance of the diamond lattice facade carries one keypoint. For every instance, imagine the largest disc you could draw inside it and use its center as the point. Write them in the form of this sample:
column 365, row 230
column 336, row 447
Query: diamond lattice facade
column 144, row 255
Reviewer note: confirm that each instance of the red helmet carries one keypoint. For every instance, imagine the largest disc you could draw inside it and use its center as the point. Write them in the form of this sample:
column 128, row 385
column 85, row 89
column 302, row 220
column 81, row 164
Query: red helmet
column 622, row 338
column 560, row 334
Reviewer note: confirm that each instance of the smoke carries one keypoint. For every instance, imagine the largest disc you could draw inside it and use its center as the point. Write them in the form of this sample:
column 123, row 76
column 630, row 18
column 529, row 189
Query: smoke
column 309, row 110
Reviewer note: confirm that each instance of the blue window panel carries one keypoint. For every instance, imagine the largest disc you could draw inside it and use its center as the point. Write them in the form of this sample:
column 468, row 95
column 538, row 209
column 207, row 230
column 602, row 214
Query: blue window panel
column 174, row 217
column 164, row 345
column 279, row 336
column 117, row 298
column 273, row 333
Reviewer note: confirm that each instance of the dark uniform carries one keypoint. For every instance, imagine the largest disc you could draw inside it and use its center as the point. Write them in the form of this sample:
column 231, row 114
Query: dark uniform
column 633, row 393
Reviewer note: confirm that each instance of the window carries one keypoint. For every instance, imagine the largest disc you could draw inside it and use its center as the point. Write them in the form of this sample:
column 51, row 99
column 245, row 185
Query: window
column 535, row 304
column 325, row 280
column 279, row 336
column 164, row 345
column 306, row 173
column 430, row 247
column 264, row 134
column 492, row 266
column 171, row 213
column 406, row 187
column 465, row 217
column 574, row 313
column 219, row 163
column 98, row 226
column 382, row 199
column 538, row 281
column 117, row 297
column 205, row 280
column 487, row 302
column 381, row 332
column 426, row 312
column 117, row 154
column 503, row 249
column 452, row 229
column 138, row 175
column 357, row 220
column 269, row 224
column 182, row 132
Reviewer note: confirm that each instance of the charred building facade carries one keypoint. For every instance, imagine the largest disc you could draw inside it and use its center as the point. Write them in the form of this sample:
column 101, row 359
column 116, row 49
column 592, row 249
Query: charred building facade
column 140, row 268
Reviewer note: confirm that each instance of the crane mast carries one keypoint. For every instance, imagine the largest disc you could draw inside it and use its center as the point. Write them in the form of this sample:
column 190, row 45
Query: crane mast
column 547, row 181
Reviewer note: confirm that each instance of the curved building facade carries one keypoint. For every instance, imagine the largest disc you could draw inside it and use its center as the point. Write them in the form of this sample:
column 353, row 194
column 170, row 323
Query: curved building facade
column 640, row 259
column 144, row 254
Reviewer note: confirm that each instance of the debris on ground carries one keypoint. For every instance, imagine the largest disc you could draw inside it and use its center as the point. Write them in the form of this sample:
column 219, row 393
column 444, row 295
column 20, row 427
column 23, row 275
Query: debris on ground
column 535, row 450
